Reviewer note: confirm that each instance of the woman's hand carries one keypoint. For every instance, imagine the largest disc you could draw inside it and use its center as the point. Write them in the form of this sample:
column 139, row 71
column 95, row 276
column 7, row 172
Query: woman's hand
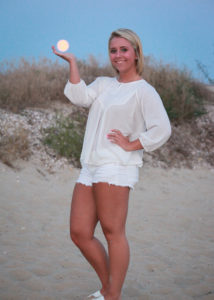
column 74, row 76
column 69, row 57
column 116, row 137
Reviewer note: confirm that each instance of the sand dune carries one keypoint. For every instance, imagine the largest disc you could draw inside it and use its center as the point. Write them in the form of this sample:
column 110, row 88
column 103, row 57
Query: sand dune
column 170, row 229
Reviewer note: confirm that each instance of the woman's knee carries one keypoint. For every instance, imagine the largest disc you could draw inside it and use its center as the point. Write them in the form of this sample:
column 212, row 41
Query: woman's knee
column 113, row 234
column 76, row 234
column 79, row 235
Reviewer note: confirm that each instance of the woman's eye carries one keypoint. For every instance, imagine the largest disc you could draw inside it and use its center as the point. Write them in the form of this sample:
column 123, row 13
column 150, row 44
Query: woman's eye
column 113, row 51
column 124, row 49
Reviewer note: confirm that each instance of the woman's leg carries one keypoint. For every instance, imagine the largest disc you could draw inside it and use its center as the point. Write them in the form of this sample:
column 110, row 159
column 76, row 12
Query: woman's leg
column 112, row 209
column 83, row 220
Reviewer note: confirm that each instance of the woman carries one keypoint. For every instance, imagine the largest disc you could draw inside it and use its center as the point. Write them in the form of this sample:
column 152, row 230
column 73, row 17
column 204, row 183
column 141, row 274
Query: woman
column 126, row 116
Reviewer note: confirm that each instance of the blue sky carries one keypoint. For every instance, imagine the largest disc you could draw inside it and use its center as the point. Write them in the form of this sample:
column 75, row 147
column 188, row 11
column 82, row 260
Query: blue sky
column 178, row 32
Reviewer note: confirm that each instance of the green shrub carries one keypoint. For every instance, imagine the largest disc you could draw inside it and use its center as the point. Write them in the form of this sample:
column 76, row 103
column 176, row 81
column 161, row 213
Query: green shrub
column 65, row 137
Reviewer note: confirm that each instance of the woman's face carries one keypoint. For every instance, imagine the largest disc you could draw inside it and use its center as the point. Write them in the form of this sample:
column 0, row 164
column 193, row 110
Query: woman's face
column 122, row 55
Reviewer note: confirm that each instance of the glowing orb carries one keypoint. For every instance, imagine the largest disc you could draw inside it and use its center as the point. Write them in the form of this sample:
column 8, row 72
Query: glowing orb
column 63, row 45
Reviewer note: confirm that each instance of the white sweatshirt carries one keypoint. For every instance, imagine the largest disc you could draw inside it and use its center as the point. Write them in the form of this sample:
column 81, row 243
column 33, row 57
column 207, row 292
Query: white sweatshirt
column 134, row 108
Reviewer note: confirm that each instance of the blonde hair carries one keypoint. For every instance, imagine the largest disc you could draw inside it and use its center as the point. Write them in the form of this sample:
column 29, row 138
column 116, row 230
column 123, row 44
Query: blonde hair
column 134, row 40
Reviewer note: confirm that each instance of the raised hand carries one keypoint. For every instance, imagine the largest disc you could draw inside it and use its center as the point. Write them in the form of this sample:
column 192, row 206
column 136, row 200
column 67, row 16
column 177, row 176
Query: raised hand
column 74, row 76
column 69, row 57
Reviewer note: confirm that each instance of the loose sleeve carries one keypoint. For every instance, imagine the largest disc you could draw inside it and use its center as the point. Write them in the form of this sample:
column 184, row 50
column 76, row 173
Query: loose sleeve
column 80, row 94
column 158, row 129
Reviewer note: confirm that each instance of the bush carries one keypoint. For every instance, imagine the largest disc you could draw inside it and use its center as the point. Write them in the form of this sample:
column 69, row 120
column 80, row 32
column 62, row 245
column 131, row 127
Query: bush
column 182, row 95
column 65, row 137
column 14, row 146
column 29, row 84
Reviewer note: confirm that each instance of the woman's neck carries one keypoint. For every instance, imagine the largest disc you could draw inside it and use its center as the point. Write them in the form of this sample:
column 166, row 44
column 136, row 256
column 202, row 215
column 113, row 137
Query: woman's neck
column 124, row 77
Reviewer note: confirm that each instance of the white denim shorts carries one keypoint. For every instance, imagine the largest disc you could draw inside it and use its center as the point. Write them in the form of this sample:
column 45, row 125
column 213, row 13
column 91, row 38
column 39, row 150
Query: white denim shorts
column 110, row 173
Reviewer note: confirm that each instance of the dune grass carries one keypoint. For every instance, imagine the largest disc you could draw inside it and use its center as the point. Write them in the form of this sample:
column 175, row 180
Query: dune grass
column 36, row 83
column 182, row 95
column 26, row 84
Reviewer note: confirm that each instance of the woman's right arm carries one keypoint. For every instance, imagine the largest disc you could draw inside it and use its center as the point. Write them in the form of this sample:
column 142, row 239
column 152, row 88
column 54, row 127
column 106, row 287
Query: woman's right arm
column 74, row 76
column 76, row 90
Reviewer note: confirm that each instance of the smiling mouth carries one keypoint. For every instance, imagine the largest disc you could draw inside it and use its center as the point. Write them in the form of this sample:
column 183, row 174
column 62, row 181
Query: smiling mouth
column 119, row 61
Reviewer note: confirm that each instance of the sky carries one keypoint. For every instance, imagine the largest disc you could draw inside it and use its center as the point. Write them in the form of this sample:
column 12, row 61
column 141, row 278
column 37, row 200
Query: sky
column 177, row 32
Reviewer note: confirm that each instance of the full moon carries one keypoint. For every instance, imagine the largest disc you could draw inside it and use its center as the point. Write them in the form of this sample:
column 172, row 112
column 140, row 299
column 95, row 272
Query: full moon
column 62, row 45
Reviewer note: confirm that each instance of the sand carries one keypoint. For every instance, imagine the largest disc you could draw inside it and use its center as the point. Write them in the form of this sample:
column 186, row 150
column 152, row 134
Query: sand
column 170, row 228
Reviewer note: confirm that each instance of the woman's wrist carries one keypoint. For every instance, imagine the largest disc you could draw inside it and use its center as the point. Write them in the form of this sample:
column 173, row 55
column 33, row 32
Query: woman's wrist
column 74, row 72
column 134, row 145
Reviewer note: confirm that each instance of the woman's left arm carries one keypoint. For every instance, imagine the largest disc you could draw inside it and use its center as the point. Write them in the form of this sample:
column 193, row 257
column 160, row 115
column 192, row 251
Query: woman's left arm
column 158, row 128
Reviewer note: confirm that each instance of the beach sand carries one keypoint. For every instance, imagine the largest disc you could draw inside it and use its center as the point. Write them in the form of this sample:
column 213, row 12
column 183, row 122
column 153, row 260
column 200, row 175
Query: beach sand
column 170, row 228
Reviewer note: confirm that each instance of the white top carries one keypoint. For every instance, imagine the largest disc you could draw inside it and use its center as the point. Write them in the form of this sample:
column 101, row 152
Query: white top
column 134, row 108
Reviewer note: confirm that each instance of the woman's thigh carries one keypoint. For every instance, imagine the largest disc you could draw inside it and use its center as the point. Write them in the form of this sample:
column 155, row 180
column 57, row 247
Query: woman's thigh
column 83, row 216
column 112, row 206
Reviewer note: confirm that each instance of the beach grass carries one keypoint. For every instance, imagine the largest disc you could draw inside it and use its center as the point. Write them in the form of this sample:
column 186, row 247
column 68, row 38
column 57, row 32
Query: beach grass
column 35, row 84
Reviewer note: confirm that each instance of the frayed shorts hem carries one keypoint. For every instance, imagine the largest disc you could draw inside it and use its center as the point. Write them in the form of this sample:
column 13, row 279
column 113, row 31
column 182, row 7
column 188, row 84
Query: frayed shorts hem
column 118, row 175
column 110, row 183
